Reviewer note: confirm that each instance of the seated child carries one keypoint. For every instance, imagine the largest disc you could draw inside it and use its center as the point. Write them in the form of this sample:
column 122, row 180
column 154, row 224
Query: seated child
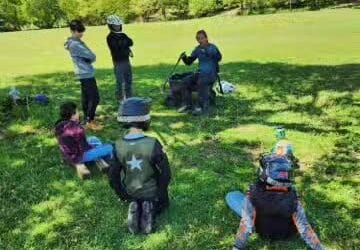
column 209, row 57
column 271, row 208
column 75, row 147
column 140, row 172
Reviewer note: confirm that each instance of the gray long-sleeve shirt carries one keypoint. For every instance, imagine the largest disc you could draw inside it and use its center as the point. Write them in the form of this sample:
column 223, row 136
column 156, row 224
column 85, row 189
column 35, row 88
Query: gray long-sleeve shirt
column 82, row 57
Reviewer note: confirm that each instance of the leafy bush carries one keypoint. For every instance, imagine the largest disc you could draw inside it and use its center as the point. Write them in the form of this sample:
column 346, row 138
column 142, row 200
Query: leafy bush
column 44, row 13
column 18, row 14
column 200, row 8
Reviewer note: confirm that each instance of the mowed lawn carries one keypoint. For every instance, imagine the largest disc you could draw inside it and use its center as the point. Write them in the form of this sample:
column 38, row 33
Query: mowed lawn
column 300, row 70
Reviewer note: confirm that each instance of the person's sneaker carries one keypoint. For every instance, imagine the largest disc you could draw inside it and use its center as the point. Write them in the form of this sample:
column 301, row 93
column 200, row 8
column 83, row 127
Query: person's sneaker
column 82, row 171
column 94, row 126
column 102, row 165
column 184, row 109
column 133, row 217
column 147, row 217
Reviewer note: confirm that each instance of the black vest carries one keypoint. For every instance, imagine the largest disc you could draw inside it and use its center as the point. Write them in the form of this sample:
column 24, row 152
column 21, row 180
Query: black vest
column 273, row 211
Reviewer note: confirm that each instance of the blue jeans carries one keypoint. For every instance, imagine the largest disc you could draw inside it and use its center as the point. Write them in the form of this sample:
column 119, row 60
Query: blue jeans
column 99, row 151
column 235, row 200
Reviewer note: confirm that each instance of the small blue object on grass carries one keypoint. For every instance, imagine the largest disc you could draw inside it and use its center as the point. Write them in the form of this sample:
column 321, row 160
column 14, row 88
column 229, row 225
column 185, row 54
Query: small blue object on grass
column 41, row 99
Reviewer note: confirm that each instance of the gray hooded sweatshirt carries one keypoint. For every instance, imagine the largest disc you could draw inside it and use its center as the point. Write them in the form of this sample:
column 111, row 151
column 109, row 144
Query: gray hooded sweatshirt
column 82, row 57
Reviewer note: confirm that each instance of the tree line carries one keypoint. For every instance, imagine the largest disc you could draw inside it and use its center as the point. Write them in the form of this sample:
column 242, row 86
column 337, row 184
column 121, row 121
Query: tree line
column 25, row 14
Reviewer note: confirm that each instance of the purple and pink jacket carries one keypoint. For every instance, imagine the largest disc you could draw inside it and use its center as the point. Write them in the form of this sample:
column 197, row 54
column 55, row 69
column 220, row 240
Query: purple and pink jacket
column 72, row 140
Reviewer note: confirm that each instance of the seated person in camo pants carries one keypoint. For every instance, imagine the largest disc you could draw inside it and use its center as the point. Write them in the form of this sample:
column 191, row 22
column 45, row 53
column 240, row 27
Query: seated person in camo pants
column 140, row 173
column 271, row 208
column 75, row 147
column 209, row 57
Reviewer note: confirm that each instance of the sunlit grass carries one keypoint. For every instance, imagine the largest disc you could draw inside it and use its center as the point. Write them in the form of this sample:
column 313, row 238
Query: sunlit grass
column 298, row 70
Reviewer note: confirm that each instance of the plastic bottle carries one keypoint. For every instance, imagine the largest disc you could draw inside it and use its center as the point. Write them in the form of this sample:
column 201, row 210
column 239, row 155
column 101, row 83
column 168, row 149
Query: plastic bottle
column 283, row 146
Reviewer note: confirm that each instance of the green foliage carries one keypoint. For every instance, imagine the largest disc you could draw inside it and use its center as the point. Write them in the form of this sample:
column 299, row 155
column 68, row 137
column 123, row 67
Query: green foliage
column 254, row 6
column 179, row 8
column 90, row 13
column 174, row 8
column 70, row 8
column 118, row 7
column 144, row 8
column 44, row 13
column 12, row 14
column 16, row 14
column 200, row 8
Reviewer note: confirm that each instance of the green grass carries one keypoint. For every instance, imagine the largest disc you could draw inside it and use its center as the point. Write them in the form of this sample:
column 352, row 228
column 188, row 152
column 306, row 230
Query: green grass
column 299, row 70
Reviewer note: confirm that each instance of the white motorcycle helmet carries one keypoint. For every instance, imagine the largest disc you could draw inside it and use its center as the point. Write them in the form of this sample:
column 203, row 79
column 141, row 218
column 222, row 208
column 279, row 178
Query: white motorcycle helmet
column 227, row 87
column 114, row 20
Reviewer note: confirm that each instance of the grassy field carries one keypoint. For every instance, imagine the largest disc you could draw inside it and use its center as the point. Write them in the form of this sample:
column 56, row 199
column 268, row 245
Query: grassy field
column 298, row 70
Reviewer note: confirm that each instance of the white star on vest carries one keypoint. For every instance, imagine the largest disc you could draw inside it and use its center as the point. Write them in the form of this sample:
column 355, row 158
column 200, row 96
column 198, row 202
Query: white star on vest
column 134, row 163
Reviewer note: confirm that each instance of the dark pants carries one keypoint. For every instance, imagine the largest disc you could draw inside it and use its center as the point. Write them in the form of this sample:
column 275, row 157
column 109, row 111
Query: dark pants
column 89, row 98
column 123, row 77
column 203, row 83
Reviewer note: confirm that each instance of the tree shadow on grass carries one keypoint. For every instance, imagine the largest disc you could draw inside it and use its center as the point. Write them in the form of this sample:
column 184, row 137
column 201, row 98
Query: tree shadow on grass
column 48, row 207
column 263, row 90
column 331, row 191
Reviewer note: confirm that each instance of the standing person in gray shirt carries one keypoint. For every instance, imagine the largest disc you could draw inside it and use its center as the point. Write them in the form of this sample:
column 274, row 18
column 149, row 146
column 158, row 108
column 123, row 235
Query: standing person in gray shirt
column 119, row 44
column 83, row 58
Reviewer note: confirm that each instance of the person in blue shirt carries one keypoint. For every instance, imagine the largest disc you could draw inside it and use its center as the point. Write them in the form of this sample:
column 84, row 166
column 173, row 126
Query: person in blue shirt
column 209, row 57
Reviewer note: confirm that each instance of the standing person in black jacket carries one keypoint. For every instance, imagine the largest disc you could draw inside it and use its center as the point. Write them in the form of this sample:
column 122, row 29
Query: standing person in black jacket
column 119, row 44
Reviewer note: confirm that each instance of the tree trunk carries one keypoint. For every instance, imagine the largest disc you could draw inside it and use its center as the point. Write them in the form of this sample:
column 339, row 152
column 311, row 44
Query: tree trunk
column 163, row 12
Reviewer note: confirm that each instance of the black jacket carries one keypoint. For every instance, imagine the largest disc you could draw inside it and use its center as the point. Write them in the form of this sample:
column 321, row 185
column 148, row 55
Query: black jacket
column 273, row 211
column 119, row 45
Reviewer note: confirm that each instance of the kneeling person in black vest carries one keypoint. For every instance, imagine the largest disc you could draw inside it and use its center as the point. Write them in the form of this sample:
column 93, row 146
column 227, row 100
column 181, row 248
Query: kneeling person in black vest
column 271, row 207
column 140, row 173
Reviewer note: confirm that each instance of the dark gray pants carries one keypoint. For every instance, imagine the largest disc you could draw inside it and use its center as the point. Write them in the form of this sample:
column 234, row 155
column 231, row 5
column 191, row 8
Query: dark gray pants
column 203, row 84
column 123, row 77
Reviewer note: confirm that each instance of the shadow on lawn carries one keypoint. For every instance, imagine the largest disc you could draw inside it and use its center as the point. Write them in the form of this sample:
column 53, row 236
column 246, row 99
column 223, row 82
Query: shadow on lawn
column 52, row 208
column 273, row 88
column 332, row 191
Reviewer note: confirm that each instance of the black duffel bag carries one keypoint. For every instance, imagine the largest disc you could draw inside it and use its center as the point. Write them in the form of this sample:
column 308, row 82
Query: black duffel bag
column 174, row 97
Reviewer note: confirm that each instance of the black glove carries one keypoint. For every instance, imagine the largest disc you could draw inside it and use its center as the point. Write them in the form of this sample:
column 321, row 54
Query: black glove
column 183, row 55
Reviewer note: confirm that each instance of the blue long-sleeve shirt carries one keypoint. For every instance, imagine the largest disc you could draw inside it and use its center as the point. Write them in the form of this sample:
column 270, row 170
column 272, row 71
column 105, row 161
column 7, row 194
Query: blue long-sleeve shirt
column 209, row 57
